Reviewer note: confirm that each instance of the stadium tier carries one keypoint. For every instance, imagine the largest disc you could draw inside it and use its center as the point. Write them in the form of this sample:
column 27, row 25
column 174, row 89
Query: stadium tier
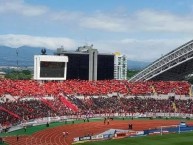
column 26, row 88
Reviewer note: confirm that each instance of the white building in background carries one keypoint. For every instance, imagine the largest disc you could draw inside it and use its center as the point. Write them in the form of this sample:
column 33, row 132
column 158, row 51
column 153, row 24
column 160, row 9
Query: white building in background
column 2, row 75
column 120, row 66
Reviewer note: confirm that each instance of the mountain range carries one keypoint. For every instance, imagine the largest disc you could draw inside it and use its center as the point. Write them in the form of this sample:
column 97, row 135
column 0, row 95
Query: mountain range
column 24, row 56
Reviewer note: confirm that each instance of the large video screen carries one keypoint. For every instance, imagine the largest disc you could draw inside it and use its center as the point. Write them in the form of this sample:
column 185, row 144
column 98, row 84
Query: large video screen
column 105, row 67
column 78, row 66
column 50, row 69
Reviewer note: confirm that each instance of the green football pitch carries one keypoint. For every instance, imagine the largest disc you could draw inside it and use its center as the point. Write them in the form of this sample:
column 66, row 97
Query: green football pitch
column 169, row 139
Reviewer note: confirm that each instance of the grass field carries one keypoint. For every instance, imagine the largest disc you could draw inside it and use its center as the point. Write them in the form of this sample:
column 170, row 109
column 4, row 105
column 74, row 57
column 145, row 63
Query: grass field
column 3, row 144
column 169, row 139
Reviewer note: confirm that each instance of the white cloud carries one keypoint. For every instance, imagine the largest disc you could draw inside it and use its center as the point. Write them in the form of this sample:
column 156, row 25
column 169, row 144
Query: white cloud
column 137, row 21
column 103, row 22
column 159, row 21
column 135, row 49
column 141, row 21
column 21, row 8
column 12, row 40
column 163, row 25
column 66, row 16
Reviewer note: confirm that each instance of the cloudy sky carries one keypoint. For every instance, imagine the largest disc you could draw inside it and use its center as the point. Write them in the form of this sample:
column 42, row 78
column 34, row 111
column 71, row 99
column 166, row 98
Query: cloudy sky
column 141, row 29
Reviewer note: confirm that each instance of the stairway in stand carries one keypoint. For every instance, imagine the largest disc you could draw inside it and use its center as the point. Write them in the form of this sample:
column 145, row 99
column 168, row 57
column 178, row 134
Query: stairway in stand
column 68, row 103
column 11, row 113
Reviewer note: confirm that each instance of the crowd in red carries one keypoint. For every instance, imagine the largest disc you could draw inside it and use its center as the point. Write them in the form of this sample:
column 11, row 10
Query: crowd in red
column 79, row 87
column 103, row 105
column 19, row 110
column 23, row 110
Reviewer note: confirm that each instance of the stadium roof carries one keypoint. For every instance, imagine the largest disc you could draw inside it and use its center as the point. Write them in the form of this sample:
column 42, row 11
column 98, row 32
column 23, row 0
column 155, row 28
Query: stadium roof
column 176, row 65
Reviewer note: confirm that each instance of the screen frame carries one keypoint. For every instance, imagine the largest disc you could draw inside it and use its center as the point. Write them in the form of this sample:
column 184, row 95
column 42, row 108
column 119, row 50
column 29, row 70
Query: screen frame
column 49, row 58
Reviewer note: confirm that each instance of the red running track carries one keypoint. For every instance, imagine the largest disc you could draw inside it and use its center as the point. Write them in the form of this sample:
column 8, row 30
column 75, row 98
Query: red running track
column 54, row 136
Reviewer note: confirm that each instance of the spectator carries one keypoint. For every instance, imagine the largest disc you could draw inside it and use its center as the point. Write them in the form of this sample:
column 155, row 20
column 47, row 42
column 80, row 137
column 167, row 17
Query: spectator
column 17, row 137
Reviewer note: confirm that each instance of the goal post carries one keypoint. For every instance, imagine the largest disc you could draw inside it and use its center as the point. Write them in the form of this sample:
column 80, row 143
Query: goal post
column 170, row 129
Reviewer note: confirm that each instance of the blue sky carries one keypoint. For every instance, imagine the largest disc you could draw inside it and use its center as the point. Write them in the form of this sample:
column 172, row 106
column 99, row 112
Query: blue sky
column 141, row 29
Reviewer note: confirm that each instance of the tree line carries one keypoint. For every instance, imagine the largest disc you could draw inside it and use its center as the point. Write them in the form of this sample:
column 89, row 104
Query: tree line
column 18, row 74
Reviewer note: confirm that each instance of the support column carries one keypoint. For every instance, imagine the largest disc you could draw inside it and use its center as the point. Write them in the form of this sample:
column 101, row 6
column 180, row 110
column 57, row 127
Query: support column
column 90, row 74
column 65, row 70
column 95, row 65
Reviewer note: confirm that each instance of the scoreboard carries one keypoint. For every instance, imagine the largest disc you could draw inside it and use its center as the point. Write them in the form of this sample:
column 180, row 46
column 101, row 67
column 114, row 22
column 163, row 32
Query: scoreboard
column 49, row 67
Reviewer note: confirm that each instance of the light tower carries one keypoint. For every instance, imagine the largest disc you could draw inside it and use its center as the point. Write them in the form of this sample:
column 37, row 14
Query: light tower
column 17, row 53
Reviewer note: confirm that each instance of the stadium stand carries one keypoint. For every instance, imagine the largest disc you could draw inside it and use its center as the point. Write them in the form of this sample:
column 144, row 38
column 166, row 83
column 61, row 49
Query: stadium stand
column 23, row 100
